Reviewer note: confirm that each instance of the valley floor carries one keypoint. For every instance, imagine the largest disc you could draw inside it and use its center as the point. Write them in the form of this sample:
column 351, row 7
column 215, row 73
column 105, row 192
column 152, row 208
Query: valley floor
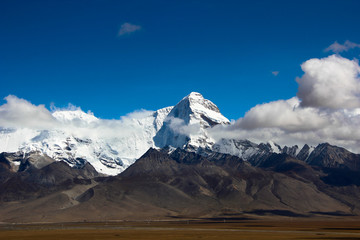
column 284, row 228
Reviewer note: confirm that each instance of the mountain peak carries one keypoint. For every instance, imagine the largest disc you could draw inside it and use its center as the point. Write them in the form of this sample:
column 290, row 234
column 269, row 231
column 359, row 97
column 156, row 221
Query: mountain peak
column 197, row 103
column 194, row 108
column 194, row 96
column 186, row 123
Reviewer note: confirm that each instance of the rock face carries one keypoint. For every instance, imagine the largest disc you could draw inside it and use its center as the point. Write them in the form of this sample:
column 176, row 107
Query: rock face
column 328, row 156
column 256, row 153
column 35, row 175
column 304, row 152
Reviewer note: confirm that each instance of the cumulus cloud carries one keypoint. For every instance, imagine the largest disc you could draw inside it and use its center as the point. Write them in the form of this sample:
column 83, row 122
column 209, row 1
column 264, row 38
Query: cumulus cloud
column 283, row 114
column 287, row 123
column 332, row 82
column 20, row 113
column 179, row 126
column 337, row 47
column 128, row 28
column 17, row 112
column 130, row 126
column 326, row 109
column 275, row 73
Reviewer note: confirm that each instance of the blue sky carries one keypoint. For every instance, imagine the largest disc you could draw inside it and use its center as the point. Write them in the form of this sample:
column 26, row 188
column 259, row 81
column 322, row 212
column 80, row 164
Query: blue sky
column 69, row 51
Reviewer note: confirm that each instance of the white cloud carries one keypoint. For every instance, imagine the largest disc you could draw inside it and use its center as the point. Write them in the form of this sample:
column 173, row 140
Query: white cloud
column 275, row 73
column 327, row 109
column 287, row 123
column 332, row 82
column 337, row 47
column 128, row 28
column 138, row 114
column 17, row 112
column 283, row 114
column 20, row 113
column 179, row 126
column 130, row 126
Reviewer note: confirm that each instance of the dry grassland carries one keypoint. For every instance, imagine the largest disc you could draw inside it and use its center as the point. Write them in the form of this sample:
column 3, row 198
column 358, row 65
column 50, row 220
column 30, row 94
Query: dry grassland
column 343, row 229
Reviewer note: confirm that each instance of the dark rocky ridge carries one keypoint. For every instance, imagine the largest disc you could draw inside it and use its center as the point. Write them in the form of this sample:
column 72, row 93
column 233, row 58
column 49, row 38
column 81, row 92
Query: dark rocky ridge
column 33, row 179
column 164, row 184
column 328, row 156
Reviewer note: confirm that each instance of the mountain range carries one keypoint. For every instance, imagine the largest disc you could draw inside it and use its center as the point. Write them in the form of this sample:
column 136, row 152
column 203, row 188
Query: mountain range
column 170, row 167
column 185, row 125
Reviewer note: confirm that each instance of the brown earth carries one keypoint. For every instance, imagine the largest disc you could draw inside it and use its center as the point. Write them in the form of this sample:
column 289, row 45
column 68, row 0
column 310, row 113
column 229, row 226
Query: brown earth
column 282, row 228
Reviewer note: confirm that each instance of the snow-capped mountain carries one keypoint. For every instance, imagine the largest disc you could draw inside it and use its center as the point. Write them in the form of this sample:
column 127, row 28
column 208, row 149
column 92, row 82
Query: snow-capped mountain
column 186, row 124
column 71, row 143
column 111, row 146
column 256, row 153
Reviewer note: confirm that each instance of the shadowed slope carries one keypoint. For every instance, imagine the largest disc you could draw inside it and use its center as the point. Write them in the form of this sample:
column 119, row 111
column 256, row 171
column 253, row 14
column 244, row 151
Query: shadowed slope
column 163, row 184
